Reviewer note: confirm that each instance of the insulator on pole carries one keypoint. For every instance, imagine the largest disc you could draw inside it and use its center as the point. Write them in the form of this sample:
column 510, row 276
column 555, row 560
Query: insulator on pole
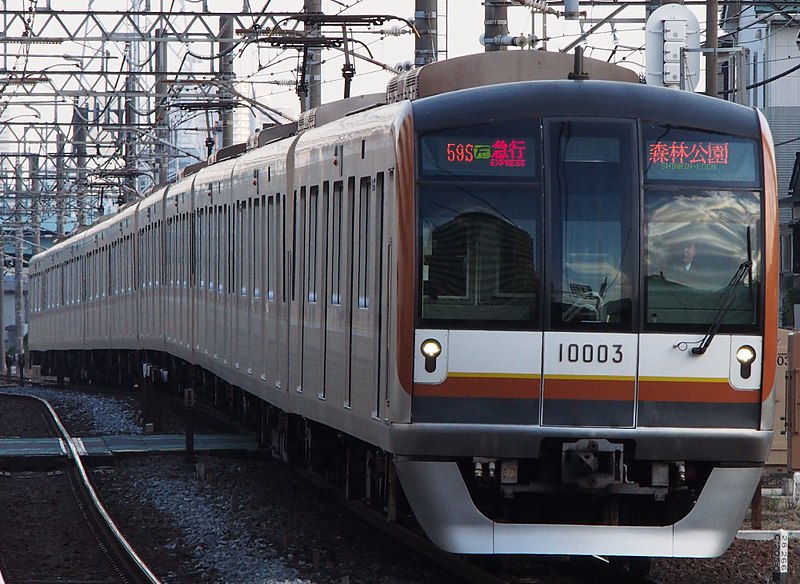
column 395, row 31
column 506, row 41
column 536, row 5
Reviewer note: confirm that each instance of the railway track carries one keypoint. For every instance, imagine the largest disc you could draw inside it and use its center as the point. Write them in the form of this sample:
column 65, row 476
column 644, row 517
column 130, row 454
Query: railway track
column 54, row 481
column 286, row 524
column 54, row 527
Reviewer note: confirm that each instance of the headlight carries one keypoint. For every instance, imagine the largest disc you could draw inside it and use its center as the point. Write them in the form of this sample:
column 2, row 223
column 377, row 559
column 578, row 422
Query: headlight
column 431, row 348
column 746, row 354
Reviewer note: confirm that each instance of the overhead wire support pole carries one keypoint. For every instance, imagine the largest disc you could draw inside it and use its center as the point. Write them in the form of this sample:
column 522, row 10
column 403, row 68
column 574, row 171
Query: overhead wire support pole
column 312, row 60
column 61, row 195
column 426, row 26
column 161, row 112
column 35, row 203
column 226, row 77
column 129, row 141
column 79, row 119
column 19, row 258
column 495, row 24
column 712, row 42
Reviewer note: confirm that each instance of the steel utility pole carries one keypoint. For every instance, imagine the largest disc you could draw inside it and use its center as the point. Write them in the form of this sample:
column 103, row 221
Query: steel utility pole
column 226, row 77
column 35, row 203
column 312, row 92
column 162, row 125
column 79, row 119
column 19, row 258
column 495, row 24
column 130, row 137
column 61, row 194
column 712, row 43
column 425, row 21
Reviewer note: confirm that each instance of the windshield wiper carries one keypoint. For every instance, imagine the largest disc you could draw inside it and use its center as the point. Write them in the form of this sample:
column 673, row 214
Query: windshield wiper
column 744, row 269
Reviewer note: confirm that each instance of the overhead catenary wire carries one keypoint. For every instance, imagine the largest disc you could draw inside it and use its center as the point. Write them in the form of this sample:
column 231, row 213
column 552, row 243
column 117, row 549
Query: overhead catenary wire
column 620, row 53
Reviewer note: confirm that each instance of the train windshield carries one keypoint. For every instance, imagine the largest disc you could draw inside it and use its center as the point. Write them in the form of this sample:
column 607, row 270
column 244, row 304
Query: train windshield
column 592, row 190
column 702, row 235
column 647, row 227
column 479, row 219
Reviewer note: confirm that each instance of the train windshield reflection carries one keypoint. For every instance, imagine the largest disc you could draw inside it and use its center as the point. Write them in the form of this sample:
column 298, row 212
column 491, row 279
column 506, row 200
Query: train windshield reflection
column 479, row 254
column 695, row 243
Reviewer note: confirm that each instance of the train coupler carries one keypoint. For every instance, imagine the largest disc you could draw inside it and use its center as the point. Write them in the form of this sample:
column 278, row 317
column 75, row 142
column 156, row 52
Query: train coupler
column 592, row 463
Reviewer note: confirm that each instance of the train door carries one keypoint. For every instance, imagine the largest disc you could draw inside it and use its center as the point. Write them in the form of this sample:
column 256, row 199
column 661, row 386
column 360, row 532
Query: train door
column 159, row 287
column 170, row 297
column 284, row 293
column 261, row 292
column 295, row 256
column 227, row 298
column 150, row 304
column 590, row 348
column 196, row 290
column 214, row 337
column 366, row 285
column 314, row 333
column 339, row 305
column 255, row 350
column 207, row 281
column 275, row 322
column 240, row 335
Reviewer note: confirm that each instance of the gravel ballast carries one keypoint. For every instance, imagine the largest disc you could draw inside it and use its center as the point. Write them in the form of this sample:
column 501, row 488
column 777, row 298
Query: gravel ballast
column 241, row 521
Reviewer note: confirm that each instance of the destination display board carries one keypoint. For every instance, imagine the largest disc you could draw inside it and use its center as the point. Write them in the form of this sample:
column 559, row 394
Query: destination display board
column 495, row 156
column 679, row 155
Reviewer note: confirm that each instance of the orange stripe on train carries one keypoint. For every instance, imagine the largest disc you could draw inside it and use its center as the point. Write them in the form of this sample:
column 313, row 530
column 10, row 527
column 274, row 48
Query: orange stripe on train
column 694, row 391
column 492, row 385
column 589, row 388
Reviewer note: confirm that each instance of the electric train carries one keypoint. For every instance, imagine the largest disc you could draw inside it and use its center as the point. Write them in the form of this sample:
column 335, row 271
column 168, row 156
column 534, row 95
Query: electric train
column 539, row 313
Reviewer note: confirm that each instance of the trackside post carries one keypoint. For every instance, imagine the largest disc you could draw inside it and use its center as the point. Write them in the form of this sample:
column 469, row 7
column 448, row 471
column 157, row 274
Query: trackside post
column 188, row 404
column 780, row 558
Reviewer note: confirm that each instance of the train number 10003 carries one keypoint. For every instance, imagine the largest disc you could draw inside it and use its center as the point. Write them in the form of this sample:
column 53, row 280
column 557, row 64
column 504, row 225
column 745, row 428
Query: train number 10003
column 574, row 353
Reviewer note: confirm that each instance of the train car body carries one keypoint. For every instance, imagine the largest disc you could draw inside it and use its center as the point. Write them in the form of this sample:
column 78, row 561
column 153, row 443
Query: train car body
column 549, row 306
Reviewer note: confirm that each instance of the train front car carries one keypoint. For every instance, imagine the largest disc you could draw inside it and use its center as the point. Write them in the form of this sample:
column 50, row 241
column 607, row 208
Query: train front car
column 593, row 286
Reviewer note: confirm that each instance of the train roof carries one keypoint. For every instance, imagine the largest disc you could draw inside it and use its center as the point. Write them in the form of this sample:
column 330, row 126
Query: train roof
column 484, row 69
column 469, row 71
column 501, row 84
column 581, row 98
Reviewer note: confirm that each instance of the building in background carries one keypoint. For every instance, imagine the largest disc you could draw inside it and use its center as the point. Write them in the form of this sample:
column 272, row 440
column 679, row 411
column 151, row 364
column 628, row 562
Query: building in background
column 766, row 37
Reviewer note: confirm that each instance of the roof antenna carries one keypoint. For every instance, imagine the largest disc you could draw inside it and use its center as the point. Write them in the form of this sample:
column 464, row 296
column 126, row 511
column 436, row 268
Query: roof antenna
column 578, row 72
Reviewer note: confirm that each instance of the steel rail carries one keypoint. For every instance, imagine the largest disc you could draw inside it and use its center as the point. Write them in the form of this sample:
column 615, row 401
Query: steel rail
column 132, row 562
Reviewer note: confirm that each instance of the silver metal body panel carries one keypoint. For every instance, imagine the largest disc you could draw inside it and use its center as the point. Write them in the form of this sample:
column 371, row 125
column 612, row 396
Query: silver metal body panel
column 445, row 510
column 328, row 362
